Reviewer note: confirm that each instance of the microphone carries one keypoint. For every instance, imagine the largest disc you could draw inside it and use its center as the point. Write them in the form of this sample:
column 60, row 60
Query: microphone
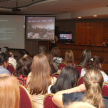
column 90, row 42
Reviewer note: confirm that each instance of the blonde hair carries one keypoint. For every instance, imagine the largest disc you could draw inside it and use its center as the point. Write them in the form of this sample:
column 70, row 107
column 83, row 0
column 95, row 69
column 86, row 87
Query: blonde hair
column 40, row 75
column 93, row 80
column 9, row 92
column 69, row 56
column 79, row 105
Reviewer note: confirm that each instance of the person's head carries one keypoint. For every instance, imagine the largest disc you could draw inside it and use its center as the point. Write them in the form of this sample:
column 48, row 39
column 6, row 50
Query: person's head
column 95, row 62
column 23, row 66
column 69, row 56
column 4, row 60
column 40, row 75
column 86, row 56
column 41, row 49
column 93, row 81
column 79, row 105
column 5, row 50
column 55, row 52
column 48, row 54
column 9, row 92
column 22, row 53
column 66, row 79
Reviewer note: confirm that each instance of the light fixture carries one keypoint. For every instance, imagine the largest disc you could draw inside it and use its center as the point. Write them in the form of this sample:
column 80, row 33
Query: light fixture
column 79, row 17
column 95, row 15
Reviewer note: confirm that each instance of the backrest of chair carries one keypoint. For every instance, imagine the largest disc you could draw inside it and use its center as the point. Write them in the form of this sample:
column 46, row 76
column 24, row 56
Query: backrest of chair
column 11, row 68
column 55, row 75
column 48, row 103
column 62, row 65
column 80, row 81
column 105, row 90
column 25, row 99
column 54, row 66
column 78, row 68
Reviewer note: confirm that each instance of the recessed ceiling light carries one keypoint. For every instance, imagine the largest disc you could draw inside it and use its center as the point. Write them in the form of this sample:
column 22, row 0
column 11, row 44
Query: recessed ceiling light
column 95, row 15
column 79, row 17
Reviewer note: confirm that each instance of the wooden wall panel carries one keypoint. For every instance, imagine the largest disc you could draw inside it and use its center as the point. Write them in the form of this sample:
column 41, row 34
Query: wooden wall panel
column 31, row 46
column 97, row 32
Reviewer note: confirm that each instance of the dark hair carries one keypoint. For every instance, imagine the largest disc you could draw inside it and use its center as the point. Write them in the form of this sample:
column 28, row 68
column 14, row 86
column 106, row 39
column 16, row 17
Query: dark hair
column 41, row 49
column 5, row 50
column 21, row 53
column 3, row 58
column 66, row 79
column 23, row 66
column 94, row 62
column 86, row 56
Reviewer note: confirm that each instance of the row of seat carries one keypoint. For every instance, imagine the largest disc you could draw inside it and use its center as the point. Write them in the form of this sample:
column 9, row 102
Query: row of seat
column 47, row 103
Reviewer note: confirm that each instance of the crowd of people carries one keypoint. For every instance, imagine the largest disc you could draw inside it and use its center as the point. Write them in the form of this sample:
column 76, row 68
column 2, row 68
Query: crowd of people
column 36, row 74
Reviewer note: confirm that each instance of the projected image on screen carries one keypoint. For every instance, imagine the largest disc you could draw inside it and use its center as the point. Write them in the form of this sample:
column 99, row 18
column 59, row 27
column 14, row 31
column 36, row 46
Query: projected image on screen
column 42, row 28
column 65, row 36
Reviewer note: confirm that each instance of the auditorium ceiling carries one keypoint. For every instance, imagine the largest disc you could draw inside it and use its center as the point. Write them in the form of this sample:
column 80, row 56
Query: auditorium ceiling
column 71, row 8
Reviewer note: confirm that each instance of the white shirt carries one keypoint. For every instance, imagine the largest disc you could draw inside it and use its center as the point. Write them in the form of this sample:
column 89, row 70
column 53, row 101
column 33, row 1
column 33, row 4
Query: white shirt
column 12, row 61
column 104, row 75
column 49, row 89
column 57, row 61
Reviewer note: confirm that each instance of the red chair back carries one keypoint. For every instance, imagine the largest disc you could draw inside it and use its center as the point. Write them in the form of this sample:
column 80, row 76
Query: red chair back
column 55, row 75
column 78, row 68
column 11, row 68
column 62, row 65
column 48, row 103
column 105, row 90
column 25, row 99
column 80, row 81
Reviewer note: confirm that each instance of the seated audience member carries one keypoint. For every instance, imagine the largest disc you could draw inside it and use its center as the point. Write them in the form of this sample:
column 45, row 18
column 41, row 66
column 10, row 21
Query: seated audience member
column 95, row 62
column 39, row 79
column 4, row 63
column 6, row 50
column 68, row 61
column 41, row 49
column 85, row 58
column 9, row 92
column 22, row 53
column 56, row 59
column 93, row 83
column 50, row 59
column 80, row 105
column 66, row 80
column 23, row 68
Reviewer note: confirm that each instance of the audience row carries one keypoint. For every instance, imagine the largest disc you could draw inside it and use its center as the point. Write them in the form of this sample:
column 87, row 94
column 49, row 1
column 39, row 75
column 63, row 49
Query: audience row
column 36, row 75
